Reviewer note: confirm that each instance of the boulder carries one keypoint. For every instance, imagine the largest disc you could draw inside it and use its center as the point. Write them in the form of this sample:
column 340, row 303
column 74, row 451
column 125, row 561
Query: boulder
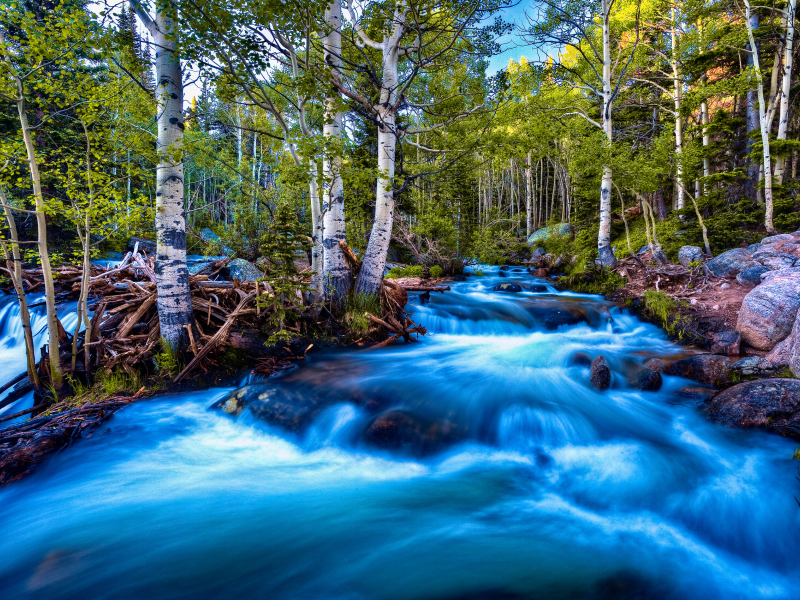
column 753, row 365
column 710, row 369
column 459, row 277
column 600, row 374
column 581, row 359
column 538, row 253
column 553, row 317
column 409, row 433
column 541, row 273
column 537, row 289
column 195, row 267
column 277, row 406
column 753, row 247
column 774, row 239
column 752, row 276
column 726, row 342
column 690, row 254
column 768, row 312
column 655, row 364
column 775, row 260
column 772, row 404
column 645, row 380
column 148, row 246
column 546, row 232
column 511, row 288
column 731, row 262
column 241, row 270
column 210, row 236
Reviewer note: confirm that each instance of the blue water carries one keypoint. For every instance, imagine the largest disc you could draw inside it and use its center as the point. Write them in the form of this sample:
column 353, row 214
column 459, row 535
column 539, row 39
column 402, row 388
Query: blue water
column 554, row 490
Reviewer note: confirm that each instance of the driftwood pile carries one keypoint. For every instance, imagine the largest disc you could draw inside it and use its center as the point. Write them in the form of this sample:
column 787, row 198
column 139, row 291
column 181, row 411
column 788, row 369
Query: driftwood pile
column 24, row 446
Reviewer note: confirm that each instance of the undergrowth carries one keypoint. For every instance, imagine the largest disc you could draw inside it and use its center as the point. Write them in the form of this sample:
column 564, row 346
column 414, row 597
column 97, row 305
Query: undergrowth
column 666, row 310
column 356, row 309
column 412, row 271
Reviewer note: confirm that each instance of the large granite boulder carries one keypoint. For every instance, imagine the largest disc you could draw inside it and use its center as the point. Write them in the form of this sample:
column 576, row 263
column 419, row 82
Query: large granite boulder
column 511, row 288
column 690, row 254
column 775, row 260
column 546, row 232
column 646, row 380
column 753, row 366
column 731, row 262
column 768, row 312
column 787, row 353
column 710, row 369
column 772, row 404
column 241, row 270
column 148, row 246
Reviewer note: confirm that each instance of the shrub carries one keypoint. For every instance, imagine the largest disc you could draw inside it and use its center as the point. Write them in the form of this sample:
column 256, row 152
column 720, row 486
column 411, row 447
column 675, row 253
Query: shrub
column 436, row 271
column 399, row 272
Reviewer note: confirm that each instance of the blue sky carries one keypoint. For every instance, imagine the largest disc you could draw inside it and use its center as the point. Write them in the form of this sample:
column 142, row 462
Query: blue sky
column 511, row 46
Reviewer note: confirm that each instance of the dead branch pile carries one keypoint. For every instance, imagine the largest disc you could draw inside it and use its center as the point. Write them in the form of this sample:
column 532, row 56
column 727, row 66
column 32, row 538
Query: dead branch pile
column 24, row 446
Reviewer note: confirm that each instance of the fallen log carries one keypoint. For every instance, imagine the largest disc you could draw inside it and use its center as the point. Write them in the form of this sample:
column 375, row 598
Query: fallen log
column 427, row 288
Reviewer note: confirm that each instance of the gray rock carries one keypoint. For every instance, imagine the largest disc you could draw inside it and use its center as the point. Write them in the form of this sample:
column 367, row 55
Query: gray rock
column 698, row 394
column 546, row 232
column 512, row 288
column 537, row 253
column 775, row 260
column 642, row 250
column 149, row 246
column 727, row 343
column 581, row 359
column 113, row 256
column 768, row 312
column 781, row 237
column 710, row 369
column 752, row 276
column 771, row 404
column 196, row 267
column 655, row 364
column 241, row 270
column 690, row 254
column 731, row 262
column 210, row 236
column 753, row 247
column 753, row 365
column 600, row 375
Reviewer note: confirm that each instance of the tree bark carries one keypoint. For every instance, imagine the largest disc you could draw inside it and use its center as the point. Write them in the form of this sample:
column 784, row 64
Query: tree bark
column 172, row 276
column 336, row 275
column 752, row 119
column 783, row 120
column 607, row 258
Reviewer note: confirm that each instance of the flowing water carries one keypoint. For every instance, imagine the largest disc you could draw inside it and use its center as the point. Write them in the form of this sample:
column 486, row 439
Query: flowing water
column 531, row 484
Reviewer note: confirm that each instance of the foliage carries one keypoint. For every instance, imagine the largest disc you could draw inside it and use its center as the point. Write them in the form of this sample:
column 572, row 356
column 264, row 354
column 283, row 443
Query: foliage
column 399, row 272
column 666, row 310
column 436, row 271
column 356, row 310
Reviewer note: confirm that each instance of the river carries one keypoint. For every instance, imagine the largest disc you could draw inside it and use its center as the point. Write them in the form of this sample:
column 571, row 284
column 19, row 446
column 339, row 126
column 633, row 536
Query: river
column 548, row 488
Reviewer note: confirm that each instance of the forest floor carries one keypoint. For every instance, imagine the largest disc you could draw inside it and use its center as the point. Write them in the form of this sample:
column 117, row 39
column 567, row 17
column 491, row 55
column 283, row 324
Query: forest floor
column 697, row 305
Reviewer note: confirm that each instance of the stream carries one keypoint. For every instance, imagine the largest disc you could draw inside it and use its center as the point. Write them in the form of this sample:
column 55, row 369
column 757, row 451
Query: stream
column 525, row 483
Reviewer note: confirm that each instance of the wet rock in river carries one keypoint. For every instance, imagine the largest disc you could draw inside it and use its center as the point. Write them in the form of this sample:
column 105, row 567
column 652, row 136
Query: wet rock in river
column 581, row 359
column 727, row 343
column 459, row 277
column 511, row 288
column 276, row 406
column 538, row 289
column 655, row 364
column 554, row 317
column 645, row 380
column 697, row 394
column 772, row 404
column 600, row 375
column 710, row 369
column 409, row 433
column 541, row 273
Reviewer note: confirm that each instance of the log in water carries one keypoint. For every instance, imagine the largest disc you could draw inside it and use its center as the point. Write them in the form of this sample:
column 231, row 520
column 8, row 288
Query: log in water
column 478, row 463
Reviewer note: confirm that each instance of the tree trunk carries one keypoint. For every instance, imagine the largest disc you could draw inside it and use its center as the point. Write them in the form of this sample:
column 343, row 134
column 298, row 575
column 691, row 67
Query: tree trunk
column 678, row 98
column 336, row 274
column 607, row 258
column 783, row 120
column 752, row 121
column 762, row 113
column 528, row 198
column 14, row 265
column 172, row 276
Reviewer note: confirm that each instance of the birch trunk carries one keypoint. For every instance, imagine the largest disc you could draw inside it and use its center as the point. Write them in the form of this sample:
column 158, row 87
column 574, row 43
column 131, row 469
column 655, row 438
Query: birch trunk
column 783, row 120
column 752, row 120
column 172, row 277
column 762, row 113
column 607, row 258
column 528, row 198
column 14, row 265
column 56, row 376
column 335, row 272
column 371, row 273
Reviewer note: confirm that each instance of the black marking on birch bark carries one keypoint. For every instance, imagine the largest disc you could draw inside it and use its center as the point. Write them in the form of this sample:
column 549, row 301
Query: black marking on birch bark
column 174, row 238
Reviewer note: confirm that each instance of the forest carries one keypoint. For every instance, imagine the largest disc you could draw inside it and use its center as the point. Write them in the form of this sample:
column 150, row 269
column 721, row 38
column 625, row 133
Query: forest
column 317, row 221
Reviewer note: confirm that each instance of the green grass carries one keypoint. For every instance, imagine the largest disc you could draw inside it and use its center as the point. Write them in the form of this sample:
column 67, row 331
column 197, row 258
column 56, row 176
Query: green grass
column 356, row 309
column 665, row 309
